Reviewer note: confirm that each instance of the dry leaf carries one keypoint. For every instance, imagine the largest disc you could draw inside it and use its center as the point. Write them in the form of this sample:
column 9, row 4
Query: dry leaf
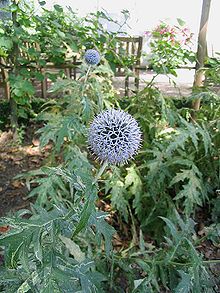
column 17, row 183
column 4, row 229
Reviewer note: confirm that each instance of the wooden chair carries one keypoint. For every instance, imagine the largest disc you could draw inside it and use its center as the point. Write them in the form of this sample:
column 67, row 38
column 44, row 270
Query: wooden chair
column 131, row 48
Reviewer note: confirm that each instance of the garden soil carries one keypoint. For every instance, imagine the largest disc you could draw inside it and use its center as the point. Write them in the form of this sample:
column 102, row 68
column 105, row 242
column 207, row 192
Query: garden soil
column 16, row 159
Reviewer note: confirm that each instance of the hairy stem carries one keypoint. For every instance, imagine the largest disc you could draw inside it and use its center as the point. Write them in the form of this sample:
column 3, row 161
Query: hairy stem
column 86, row 78
column 100, row 172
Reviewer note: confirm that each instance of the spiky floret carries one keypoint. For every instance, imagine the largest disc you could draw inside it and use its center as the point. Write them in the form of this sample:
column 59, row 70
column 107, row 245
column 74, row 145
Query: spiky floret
column 114, row 136
column 92, row 57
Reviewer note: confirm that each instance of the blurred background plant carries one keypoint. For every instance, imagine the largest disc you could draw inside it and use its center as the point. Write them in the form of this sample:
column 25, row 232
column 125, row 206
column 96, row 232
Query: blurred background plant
column 29, row 43
column 171, row 47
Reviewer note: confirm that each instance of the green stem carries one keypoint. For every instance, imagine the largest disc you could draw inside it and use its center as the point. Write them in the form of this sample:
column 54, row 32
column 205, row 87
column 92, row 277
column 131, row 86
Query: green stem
column 205, row 262
column 152, row 80
column 211, row 261
column 87, row 74
column 85, row 81
column 112, row 272
column 101, row 170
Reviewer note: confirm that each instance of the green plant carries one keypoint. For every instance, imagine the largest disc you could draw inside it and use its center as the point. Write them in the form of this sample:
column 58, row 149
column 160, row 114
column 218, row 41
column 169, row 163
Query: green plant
column 172, row 266
column 212, row 71
column 43, row 247
column 40, row 255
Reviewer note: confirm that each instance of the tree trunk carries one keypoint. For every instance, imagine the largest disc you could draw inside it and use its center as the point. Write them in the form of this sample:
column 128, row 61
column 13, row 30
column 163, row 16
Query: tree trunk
column 15, row 53
column 201, row 51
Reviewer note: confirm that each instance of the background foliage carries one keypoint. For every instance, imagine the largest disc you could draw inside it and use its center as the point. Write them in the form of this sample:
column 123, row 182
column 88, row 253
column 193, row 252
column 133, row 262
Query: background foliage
column 171, row 47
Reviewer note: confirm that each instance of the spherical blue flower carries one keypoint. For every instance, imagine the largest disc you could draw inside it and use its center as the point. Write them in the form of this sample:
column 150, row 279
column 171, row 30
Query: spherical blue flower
column 92, row 57
column 114, row 136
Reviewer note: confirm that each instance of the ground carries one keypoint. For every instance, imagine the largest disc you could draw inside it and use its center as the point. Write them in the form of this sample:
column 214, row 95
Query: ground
column 168, row 85
column 16, row 159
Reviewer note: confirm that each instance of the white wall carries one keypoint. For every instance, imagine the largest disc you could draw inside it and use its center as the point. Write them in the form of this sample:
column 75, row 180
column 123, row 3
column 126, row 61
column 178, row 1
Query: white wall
column 145, row 14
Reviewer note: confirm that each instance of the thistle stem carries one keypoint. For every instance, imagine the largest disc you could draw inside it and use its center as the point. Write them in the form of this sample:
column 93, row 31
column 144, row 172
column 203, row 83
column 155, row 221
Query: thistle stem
column 100, row 172
column 87, row 74
column 85, row 81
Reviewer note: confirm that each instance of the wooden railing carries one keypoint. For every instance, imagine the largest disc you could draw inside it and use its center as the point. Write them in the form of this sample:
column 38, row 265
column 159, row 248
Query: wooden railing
column 130, row 46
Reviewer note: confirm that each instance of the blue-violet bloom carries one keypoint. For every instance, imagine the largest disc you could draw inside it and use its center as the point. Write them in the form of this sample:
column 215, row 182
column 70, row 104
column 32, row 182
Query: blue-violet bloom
column 114, row 136
column 92, row 57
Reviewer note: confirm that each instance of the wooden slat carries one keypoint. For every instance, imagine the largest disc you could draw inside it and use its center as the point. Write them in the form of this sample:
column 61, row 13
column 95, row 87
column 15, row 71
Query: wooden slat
column 133, row 47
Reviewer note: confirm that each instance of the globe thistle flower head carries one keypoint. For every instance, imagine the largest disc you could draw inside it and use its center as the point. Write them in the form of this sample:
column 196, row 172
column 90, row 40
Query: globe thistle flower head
column 114, row 136
column 92, row 57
